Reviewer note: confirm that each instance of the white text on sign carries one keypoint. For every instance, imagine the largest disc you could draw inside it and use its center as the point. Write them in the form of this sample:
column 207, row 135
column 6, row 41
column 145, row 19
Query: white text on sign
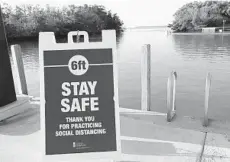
column 79, row 89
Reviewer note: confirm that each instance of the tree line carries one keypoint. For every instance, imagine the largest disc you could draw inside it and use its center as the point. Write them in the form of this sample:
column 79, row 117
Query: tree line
column 28, row 20
column 192, row 16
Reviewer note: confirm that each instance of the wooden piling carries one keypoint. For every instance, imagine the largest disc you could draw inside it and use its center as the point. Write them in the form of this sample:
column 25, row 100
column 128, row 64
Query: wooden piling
column 146, row 78
column 206, row 102
column 19, row 66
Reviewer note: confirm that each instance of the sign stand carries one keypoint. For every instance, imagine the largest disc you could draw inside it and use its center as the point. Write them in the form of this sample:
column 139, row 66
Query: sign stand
column 79, row 98
column 7, row 90
column 10, row 104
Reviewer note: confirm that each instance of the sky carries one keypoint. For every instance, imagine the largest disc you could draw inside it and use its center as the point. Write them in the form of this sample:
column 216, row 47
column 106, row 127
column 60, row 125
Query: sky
column 132, row 12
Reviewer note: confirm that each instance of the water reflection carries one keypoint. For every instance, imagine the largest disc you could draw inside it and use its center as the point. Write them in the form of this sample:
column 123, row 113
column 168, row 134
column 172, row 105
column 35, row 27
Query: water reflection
column 202, row 54
column 209, row 47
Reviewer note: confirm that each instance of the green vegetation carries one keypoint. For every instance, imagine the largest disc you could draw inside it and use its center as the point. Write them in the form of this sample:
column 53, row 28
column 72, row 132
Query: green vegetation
column 28, row 20
column 192, row 16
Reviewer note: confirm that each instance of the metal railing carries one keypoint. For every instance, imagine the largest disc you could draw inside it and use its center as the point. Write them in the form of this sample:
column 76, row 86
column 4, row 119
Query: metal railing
column 171, row 96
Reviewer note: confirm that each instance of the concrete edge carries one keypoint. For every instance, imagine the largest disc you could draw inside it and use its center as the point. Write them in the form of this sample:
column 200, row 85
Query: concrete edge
column 127, row 110
column 15, row 108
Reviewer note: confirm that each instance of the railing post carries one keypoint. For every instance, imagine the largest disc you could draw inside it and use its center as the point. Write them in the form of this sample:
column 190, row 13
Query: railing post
column 171, row 96
column 19, row 66
column 146, row 78
column 206, row 102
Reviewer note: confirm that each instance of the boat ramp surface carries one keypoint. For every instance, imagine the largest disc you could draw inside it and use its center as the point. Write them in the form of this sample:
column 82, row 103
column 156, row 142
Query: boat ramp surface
column 145, row 137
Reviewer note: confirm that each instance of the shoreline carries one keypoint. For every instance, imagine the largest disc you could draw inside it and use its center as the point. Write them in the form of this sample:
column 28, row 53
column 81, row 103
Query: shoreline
column 227, row 33
column 97, row 36
column 92, row 37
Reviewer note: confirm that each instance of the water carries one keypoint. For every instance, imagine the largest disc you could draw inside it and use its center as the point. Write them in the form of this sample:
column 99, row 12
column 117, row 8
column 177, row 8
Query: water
column 192, row 56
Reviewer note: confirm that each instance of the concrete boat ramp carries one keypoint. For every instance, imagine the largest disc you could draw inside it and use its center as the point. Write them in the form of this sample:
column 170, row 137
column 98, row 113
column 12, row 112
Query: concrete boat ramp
column 145, row 137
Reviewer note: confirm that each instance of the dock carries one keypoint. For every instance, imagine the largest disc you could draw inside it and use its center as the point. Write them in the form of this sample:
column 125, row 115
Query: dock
column 145, row 137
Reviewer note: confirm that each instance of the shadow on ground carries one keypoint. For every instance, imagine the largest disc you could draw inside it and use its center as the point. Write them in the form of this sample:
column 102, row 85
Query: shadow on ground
column 25, row 123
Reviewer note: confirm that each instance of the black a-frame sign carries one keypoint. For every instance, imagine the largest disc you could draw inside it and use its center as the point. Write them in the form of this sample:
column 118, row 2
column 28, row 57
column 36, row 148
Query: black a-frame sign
column 7, row 89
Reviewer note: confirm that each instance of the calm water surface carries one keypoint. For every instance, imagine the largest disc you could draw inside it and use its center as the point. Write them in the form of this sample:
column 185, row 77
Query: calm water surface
column 192, row 56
